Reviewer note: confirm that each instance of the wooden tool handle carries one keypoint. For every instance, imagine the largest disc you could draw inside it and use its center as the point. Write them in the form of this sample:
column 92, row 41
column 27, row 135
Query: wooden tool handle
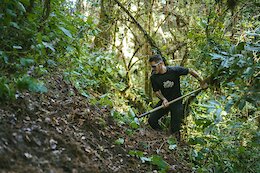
column 170, row 102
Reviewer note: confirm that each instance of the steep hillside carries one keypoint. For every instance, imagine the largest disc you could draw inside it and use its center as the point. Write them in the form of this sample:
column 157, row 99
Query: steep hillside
column 61, row 132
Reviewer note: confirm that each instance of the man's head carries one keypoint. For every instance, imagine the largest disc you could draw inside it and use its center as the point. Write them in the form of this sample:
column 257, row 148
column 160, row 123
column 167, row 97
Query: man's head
column 157, row 64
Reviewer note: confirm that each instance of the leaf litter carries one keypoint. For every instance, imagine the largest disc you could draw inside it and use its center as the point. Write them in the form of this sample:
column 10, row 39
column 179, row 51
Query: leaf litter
column 62, row 132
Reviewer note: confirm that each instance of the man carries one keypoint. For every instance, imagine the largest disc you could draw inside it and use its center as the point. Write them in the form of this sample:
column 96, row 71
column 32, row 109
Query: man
column 166, row 85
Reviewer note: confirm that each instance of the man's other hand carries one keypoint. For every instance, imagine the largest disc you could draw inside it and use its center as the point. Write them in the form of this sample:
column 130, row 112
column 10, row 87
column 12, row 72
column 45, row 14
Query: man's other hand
column 203, row 84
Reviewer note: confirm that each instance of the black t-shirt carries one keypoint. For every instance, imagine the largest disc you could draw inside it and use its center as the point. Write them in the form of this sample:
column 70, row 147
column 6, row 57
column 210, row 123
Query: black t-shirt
column 169, row 82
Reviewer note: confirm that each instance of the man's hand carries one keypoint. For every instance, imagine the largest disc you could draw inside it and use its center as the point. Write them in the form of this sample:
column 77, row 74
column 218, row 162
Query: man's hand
column 203, row 84
column 165, row 103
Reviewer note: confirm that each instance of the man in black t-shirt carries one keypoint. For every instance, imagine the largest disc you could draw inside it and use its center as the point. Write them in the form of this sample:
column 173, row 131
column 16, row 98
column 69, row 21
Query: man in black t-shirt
column 166, row 85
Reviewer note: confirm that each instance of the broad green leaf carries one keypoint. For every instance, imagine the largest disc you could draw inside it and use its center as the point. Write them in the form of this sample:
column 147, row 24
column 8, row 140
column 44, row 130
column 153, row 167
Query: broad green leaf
column 256, row 138
column 17, row 47
column 26, row 61
column 131, row 153
column 240, row 46
column 171, row 141
column 8, row 89
column 257, row 30
column 158, row 161
column 214, row 102
column 134, row 125
column 85, row 94
column 109, row 70
column 65, row 31
column 31, row 84
column 145, row 159
column 225, row 63
column 203, row 23
column 172, row 147
column 136, row 153
column 224, row 53
column 79, row 74
column 194, row 153
column 197, row 140
column 120, row 141
column 216, row 56
column 255, row 34
column 248, row 72
column 21, row 7
column 233, row 49
column 241, row 104
column 131, row 112
column 11, row 13
column 15, row 25
column 48, row 45
column 218, row 115
column 23, row 82
column 37, row 87
column 252, row 48
column 136, row 120
column 4, row 57
column 241, row 62
column 51, row 62
column 69, row 48
column 229, row 104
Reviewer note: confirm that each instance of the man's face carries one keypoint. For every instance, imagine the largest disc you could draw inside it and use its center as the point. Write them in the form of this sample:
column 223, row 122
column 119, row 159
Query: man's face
column 156, row 66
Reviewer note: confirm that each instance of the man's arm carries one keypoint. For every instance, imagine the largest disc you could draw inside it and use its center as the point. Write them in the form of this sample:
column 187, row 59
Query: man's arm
column 160, row 96
column 203, row 84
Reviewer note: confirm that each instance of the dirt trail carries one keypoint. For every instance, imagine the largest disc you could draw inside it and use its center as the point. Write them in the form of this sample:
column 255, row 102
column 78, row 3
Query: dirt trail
column 61, row 132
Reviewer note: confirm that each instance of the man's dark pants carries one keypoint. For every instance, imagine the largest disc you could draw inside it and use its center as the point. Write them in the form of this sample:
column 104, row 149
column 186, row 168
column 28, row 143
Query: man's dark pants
column 176, row 110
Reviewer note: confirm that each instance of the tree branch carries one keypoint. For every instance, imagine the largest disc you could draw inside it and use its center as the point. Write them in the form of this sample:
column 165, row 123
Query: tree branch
column 146, row 35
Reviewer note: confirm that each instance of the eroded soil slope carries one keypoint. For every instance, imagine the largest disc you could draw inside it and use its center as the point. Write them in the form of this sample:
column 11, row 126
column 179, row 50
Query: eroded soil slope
column 60, row 131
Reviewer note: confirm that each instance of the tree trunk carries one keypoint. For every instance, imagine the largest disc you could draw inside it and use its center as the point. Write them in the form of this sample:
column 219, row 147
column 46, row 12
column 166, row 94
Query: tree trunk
column 103, row 39
column 148, row 87
column 147, row 83
column 45, row 13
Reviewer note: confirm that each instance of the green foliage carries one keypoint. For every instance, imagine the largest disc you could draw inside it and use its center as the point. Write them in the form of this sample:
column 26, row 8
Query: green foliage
column 126, row 119
column 223, row 142
column 156, row 160
column 6, row 90
column 96, row 70
column 32, row 37
column 172, row 143
column 238, row 68
column 119, row 141
column 31, row 84
column 223, row 126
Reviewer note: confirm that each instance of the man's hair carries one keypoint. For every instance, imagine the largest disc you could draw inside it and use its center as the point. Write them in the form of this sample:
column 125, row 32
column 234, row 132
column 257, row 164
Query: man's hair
column 155, row 58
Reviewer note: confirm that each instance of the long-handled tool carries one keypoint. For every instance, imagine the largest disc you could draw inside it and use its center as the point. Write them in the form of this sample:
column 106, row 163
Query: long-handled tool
column 170, row 102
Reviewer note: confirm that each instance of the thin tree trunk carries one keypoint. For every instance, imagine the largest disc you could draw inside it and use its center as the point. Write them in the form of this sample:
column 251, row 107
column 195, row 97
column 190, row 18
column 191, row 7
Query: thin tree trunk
column 105, row 21
column 147, row 83
column 148, row 90
column 45, row 13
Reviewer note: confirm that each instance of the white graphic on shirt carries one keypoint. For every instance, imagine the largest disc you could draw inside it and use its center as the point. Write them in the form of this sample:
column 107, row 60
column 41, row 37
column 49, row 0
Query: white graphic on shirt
column 168, row 84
